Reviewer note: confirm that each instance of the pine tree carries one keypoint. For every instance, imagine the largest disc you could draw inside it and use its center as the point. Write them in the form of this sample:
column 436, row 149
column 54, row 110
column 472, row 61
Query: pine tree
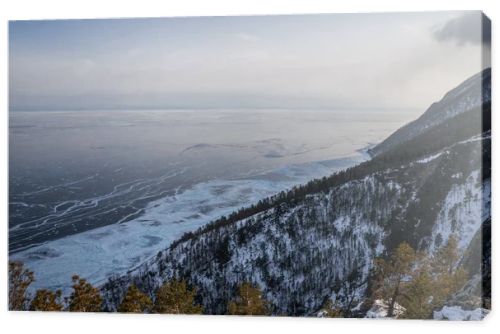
column 332, row 310
column 84, row 298
column 391, row 274
column 449, row 277
column 248, row 302
column 432, row 281
column 19, row 281
column 417, row 298
column 174, row 297
column 46, row 300
column 135, row 301
column 446, row 257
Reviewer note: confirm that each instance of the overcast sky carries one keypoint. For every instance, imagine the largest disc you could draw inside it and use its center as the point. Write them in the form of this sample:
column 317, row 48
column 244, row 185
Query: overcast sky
column 404, row 61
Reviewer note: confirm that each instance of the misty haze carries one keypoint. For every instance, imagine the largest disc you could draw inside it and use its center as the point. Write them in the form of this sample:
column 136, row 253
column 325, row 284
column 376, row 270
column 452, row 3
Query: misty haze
column 290, row 158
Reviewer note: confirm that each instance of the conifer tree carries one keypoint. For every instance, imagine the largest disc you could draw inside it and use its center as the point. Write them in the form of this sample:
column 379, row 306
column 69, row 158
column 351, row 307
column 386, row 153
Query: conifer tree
column 420, row 283
column 19, row 281
column 449, row 277
column 46, row 300
column 332, row 310
column 135, row 301
column 392, row 273
column 84, row 298
column 446, row 257
column 417, row 297
column 248, row 302
column 174, row 297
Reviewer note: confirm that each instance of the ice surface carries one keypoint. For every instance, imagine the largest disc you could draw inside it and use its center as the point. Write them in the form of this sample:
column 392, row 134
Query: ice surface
column 151, row 176
column 117, row 248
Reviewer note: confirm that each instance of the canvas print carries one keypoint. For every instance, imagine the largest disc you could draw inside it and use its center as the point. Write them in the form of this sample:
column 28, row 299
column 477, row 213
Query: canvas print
column 329, row 165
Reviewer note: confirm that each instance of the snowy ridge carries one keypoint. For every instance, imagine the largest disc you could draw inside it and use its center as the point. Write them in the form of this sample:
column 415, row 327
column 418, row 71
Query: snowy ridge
column 320, row 243
column 324, row 245
column 472, row 93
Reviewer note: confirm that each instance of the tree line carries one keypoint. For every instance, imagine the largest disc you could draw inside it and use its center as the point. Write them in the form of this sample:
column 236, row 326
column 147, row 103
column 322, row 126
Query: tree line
column 173, row 297
column 419, row 282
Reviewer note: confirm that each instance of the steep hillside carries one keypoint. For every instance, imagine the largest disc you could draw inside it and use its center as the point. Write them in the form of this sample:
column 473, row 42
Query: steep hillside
column 472, row 93
column 318, row 241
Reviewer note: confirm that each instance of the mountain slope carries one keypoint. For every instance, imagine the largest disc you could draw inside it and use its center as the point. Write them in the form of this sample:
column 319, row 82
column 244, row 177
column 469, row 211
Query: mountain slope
column 472, row 93
column 319, row 240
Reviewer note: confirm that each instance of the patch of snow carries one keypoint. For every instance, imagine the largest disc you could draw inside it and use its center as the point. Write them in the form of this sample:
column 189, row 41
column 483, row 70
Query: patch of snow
column 462, row 212
column 456, row 313
column 429, row 158
column 380, row 308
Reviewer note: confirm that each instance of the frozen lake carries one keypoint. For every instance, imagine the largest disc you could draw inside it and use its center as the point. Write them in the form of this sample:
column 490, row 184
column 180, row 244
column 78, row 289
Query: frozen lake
column 96, row 193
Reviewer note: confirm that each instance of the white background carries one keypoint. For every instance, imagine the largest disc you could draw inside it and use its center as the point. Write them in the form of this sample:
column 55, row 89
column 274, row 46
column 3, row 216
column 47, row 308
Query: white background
column 19, row 322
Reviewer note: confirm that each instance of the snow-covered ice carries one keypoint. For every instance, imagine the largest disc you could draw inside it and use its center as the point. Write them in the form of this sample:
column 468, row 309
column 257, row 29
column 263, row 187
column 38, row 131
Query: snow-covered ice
column 263, row 151
column 117, row 248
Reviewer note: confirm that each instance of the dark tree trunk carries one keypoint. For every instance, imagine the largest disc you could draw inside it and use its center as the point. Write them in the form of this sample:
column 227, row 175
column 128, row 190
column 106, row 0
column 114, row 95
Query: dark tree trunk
column 390, row 311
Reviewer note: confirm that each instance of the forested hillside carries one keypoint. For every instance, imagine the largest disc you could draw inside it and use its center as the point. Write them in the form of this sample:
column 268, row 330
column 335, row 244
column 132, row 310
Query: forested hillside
column 406, row 234
column 317, row 243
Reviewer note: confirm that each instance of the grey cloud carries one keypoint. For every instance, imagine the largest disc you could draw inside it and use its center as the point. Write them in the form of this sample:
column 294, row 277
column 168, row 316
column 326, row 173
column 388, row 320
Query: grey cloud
column 469, row 28
column 367, row 61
